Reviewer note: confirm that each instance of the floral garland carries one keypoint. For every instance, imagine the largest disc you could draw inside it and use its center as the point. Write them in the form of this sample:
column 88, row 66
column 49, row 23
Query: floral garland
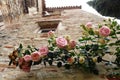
column 63, row 51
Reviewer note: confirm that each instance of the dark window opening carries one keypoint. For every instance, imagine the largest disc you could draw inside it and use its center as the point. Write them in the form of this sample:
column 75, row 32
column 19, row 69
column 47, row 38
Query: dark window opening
column 46, row 26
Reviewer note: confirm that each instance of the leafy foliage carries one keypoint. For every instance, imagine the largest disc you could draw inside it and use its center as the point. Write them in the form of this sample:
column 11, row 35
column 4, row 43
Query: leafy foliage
column 82, row 54
column 106, row 7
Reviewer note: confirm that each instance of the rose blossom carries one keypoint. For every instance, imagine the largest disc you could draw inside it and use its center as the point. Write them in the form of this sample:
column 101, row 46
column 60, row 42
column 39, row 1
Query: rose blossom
column 21, row 60
column 71, row 60
column 104, row 31
column 89, row 25
column 43, row 50
column 26, row 66
column 67, row 37
column 81, row 59
column 51, row 33
column 27, row 58
column 35, row 56
column 61, row 42
column 72, row 44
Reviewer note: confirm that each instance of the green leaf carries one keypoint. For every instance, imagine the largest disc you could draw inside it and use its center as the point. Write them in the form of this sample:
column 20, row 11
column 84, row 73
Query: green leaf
column 72, row 53
column 19, row 54
column 103, row 46
column 118, row 49
column 49, row 41
column 94, row 40
column 87, row 47
column 20, row 50
column 117, row 42
column 27, row 52
column 81, row 40
column 112, row 33
column 95, row 47
column 21, row 46
column 51, row 48
column 88, row 38
column 118, row 32
column 107, row 39
column 111, row 44
column 82, row 47
column 83, row 26
column 77, row 47
column 99, row 26
column 118, row 27
column 114, row 23
column 53, row 44
column 91, row 32
column 113, row 36
column 29, row 47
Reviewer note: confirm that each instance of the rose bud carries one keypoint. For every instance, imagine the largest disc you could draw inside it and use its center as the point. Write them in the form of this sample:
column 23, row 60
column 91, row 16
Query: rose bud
column 96, row 31
column 51, row 33
column 89, row 25
column 72, row 44
column 102, row 41
column 81, row 59
column 67, row 37
column 71, row 60
column 94, row 59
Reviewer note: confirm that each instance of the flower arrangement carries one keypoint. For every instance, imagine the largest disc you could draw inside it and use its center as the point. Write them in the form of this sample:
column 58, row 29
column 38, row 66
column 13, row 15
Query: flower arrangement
column 82, row 54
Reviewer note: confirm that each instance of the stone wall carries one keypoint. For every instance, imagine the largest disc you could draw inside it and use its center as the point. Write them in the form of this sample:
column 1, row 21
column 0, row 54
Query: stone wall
column 14, row 10
column 11, row 10
column 48, row 73
column 24, row 33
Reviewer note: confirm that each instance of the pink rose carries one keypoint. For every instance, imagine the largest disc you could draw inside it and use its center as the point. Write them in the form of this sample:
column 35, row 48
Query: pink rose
column 43, row 50
column 71, row 60
column 51, row 33
column 35, row 56
column 72, row 44
column 104, row 31
column 61, row 42
column 89, row 25
column 27, row 58
column 26, row 66
column 21, row 60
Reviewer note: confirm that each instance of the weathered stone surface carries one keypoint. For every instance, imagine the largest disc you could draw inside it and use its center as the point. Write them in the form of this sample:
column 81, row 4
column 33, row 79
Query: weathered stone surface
column 24, row 33
column 47, row 74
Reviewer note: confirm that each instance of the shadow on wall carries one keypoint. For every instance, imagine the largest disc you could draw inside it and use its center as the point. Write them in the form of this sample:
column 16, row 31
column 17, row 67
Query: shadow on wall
column 107, row 7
